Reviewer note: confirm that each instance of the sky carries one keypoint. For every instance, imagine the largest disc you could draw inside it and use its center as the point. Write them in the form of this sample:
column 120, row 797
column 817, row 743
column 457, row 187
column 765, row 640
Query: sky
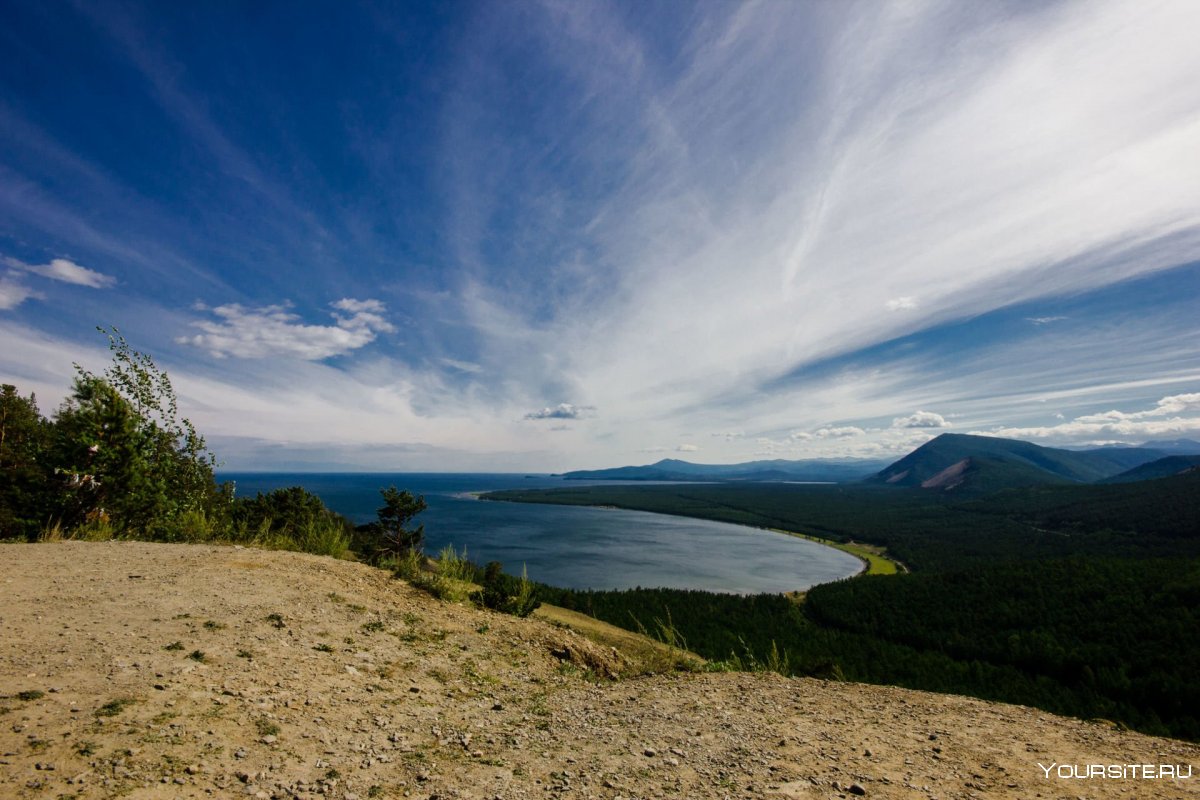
column 541, row 236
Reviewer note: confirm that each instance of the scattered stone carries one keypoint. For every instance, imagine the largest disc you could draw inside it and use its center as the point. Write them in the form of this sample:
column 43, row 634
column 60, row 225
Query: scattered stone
column 856, row 789
column 650, row 752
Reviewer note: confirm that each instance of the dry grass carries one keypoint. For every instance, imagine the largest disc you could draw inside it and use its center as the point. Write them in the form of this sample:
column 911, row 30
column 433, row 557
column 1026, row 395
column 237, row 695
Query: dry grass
column 647, row 655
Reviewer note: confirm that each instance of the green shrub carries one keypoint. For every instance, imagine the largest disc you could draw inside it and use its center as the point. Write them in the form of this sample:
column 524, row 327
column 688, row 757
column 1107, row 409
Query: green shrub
column 506, row 593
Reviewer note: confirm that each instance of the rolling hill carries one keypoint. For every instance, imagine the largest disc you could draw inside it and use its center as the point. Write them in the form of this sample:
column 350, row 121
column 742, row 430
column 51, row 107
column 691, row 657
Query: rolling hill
column 1162, row 468
column 963, row 462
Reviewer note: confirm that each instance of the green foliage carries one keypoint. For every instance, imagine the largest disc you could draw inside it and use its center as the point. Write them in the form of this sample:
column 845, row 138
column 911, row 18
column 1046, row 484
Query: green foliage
column 391, row 537
column 506, row 593
column 123, row 451
column 291, row 519
column 451, row 577
column 116, row 460
column 24, row 483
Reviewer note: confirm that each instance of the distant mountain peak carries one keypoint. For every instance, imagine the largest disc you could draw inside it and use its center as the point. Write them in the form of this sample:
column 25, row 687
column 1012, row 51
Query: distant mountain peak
column 989, row 463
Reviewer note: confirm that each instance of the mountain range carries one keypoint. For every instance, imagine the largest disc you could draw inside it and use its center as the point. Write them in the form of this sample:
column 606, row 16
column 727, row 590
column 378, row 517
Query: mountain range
column 955, row 461
column 672, row 469
column 950, row 462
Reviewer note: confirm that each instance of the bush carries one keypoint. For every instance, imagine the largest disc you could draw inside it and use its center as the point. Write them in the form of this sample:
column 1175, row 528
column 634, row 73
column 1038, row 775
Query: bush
column 508, row 594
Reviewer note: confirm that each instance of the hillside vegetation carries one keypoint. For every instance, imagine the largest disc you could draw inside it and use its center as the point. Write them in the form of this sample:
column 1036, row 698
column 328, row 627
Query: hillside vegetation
column 1077, row 598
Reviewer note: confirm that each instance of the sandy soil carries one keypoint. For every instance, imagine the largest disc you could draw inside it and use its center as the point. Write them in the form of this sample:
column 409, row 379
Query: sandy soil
column 161, row 671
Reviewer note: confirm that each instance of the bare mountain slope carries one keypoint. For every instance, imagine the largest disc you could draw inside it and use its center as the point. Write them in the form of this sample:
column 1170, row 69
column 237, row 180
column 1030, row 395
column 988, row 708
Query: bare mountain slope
column 162, row 671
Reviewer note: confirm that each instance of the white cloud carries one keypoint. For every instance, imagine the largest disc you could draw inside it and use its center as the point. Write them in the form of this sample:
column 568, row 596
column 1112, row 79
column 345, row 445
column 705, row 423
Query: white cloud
column 561, row 411
column 1044, row 320
column 60, row 269
column 66, row 271
column 921, row 419
column 901, row 304
column 843, row 432
column 274, row 331
column 13, row 292
column 687, row 448
column 1161, row 420
column 1174, row 404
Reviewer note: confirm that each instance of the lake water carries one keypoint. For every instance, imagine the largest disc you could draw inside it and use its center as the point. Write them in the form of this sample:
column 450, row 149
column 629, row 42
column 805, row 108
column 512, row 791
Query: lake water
column 578, row 547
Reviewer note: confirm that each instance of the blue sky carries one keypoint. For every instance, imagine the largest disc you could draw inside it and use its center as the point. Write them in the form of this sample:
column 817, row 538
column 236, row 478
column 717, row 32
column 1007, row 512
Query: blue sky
column 550, row 235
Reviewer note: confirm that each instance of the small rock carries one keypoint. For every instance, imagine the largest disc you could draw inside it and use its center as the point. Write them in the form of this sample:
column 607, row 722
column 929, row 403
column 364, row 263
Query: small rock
column 44, row 766
column 239, row 753
column 650, row 752
column 856, row 789
column 497, row 706
column 269, row 739
column 192, row 769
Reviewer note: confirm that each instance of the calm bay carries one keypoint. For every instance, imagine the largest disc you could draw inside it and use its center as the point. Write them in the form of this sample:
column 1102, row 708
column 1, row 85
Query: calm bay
column 577, row 547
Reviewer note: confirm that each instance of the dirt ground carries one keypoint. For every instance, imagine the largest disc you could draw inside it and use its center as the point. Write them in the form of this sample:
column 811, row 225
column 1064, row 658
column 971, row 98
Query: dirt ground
column 163, row 671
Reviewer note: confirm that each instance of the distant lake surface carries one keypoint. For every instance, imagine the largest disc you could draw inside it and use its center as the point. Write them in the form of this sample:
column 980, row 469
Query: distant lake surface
column 577, row 547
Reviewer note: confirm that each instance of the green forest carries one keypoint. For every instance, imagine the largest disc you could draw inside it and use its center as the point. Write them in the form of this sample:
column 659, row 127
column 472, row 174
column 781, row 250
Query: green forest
column 1082, row 600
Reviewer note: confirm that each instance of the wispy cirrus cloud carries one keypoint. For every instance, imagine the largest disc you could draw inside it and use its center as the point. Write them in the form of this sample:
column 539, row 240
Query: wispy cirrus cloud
column 664, row 215
column 909, row 179
column 275, row 331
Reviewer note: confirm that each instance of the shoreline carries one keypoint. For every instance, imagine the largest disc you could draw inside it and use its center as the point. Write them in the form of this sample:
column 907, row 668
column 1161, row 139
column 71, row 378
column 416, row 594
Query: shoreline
column 871, row 563
column 874, row 559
